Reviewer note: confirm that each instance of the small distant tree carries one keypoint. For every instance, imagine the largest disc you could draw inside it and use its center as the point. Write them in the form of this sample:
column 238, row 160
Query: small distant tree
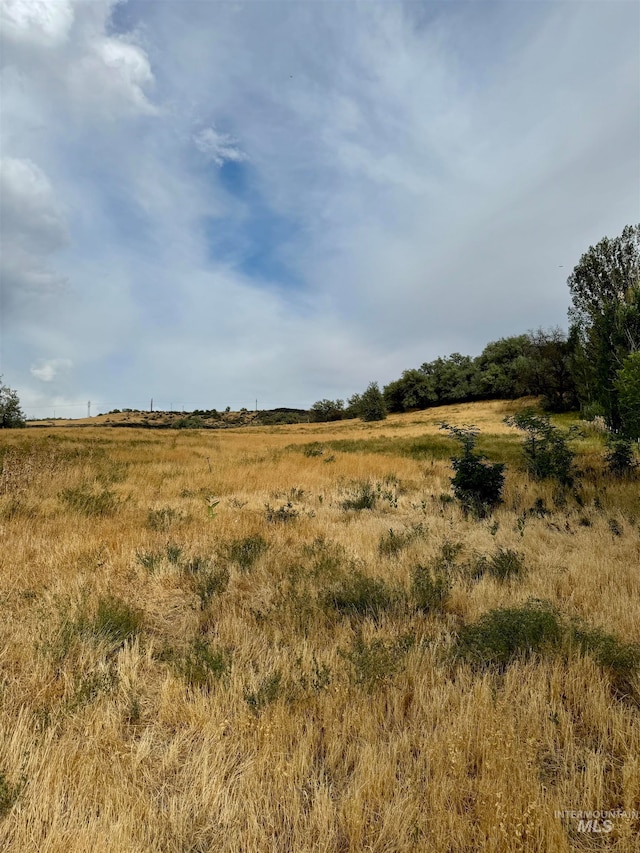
column 372, row 406
column 11, row 415
column 477, row 484
column 326, row 410
column 546, row 451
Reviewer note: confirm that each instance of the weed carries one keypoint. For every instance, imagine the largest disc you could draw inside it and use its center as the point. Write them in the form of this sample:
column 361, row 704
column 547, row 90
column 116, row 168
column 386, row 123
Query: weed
column 174, row 552
column 319, row 679
column 506, row 563
column 546, row 451
column 620, row 660
column 90, row 686
column 150, row 560
column 245, row 552
column 327, row 557
column 269, row 690
column 314, row 449
column 87, row 502
column 430, row 587
column 376, row 661
column 286, row 512
column 205, row 581
column 363, row 496
column 360, row 595
column 8, row 795
column 115, row 621
column 162, row 519
column 201, row 664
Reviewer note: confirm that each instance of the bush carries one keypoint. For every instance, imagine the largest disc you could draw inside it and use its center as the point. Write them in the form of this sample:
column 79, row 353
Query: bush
column 371, row 405
column 360, row 595
column 620, row 660
column 501, row 636
column 201, row 664
column 326, row 410
column 430, row 588
column 477, row 484
column 363, row 496
column 11, row 415
column 246, row 551
column 545, row 447
column 620, row 456
column 269, row 690
column 376, row 661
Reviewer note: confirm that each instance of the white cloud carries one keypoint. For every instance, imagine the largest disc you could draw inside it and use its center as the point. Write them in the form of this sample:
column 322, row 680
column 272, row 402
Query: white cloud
column 47, row 371
column 218, row 147
column 38, row 22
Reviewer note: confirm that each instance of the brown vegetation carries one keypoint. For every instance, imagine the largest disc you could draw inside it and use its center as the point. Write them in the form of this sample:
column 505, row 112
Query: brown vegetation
column 254, row 640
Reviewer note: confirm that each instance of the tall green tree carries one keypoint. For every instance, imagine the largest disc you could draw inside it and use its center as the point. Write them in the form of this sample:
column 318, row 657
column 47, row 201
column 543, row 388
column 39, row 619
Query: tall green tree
column 11, row 415
column 605, row 318
column 628, row 387
column 371, row 404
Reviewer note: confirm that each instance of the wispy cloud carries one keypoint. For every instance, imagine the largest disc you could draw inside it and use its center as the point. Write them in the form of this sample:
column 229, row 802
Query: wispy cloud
column 286, row 201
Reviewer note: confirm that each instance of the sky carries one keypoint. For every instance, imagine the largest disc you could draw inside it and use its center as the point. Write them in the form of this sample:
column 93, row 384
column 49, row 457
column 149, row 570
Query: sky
column 217, row 203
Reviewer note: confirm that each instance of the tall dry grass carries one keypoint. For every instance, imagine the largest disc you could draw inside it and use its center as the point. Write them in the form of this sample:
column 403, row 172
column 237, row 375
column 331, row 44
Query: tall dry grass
column 193, row 657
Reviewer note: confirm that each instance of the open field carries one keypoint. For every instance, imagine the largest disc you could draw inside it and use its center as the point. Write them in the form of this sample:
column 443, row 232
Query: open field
column 254, row 640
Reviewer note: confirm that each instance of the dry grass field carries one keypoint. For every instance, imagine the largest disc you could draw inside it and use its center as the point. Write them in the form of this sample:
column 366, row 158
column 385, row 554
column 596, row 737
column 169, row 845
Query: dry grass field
column 292, row 639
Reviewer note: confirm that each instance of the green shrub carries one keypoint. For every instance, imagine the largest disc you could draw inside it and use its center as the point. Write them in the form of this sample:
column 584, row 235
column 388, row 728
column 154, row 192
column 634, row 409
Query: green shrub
column 363, row 496
column 477, row 484
column 326, row 410
column 505, row 564
column 546, row 451
column 201, row 664
column 206, row 581
column 501, row 636
column 150, row 560
column 116, row 621
column 620, row 456
column 377, row 661
column 430, row 588
column 360, row 595
column 245, row 552
column 620, row 660
column 8, row 795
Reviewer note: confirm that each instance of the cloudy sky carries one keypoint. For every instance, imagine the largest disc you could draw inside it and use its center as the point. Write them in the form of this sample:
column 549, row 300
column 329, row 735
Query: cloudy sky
column 210, row 203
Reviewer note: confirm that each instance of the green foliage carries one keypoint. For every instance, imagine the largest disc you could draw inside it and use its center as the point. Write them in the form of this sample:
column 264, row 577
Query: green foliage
column 189, row 422
column 414, row 390
column 326, row 410
column 205, row 580
column 115, row 621
column 360, row 595
column 377, row 661
column 605, row 318
column 503, row 565
column 392, row 542
column 363, row 496
column 430, row 587
column 501, row 636
column 628, row 387
column 201, row 664
column 245, row 552
column 620, row 660
column 546, row 451
column 86, row 501
column 620, row 457
column 477, row 484
column 269, row 690
column 11, row 415
column 371, row 405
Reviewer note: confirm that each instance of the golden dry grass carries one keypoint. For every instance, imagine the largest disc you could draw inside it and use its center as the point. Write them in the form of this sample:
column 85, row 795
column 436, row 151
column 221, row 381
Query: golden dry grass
column 305, row 728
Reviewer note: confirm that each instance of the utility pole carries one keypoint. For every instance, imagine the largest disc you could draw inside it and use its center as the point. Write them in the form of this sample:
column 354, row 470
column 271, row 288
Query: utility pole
column 89, row 409
column 152, row 404
column 256, row 404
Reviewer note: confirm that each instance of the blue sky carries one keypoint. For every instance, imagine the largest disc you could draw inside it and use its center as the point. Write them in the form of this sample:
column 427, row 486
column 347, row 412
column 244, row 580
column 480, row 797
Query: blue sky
column 213, row 202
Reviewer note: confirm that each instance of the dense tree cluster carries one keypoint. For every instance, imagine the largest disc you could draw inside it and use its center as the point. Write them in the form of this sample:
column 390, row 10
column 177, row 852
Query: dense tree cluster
column 11, row 415
column 595, row 367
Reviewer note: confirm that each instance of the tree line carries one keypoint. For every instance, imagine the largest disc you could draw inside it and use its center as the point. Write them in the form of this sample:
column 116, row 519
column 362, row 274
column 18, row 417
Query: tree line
column 595, row 367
